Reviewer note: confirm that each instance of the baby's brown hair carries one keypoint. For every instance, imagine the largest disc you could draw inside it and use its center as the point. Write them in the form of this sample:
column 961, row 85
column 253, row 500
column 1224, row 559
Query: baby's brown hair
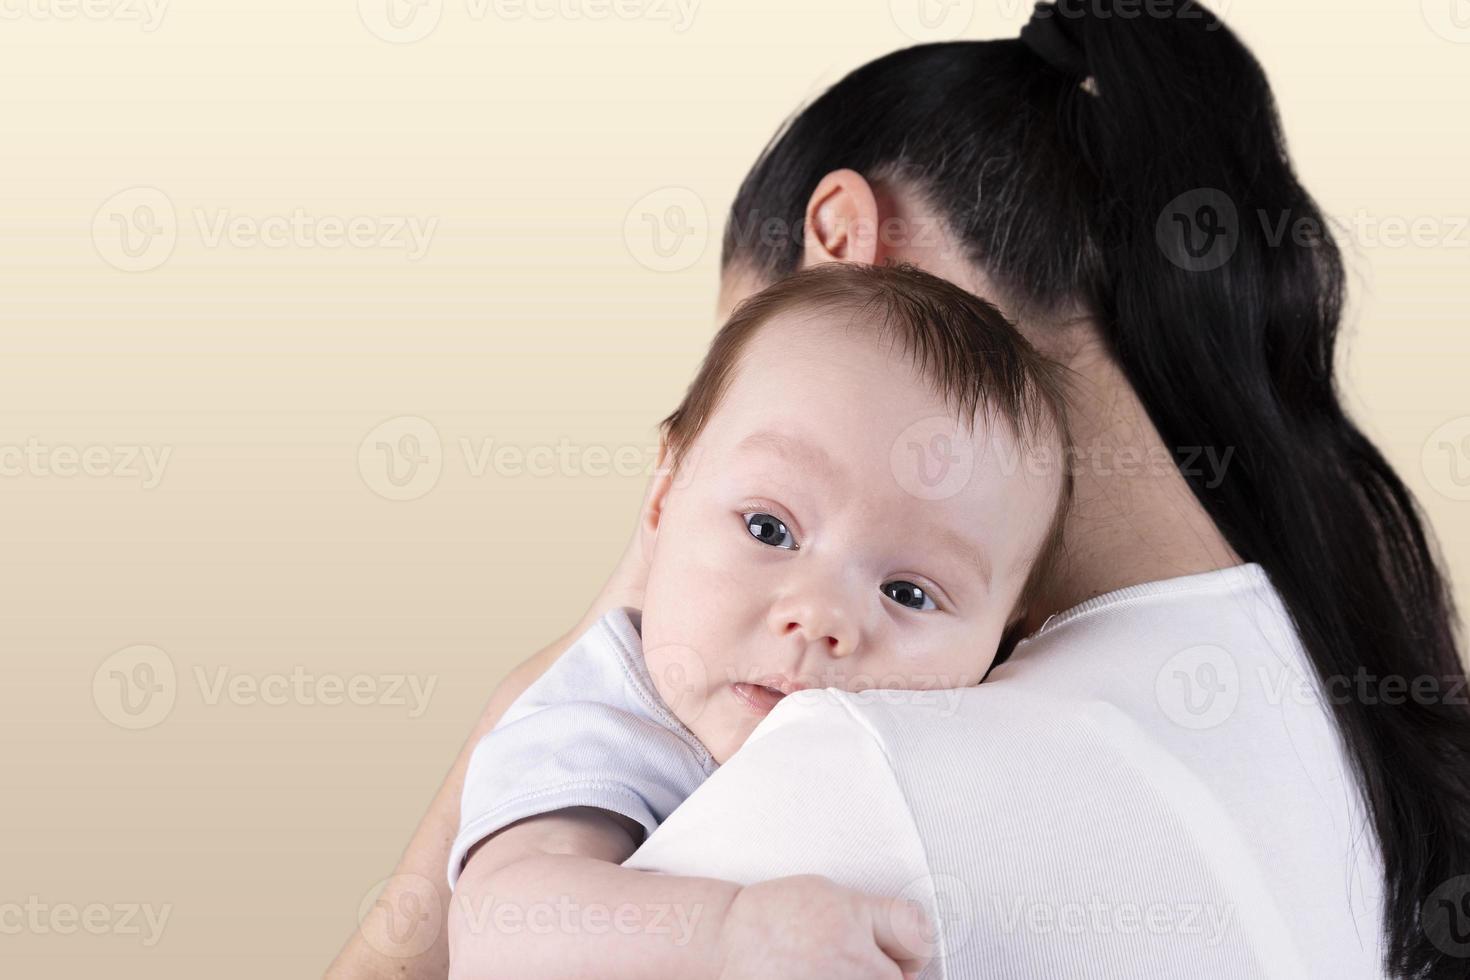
column 974, row 357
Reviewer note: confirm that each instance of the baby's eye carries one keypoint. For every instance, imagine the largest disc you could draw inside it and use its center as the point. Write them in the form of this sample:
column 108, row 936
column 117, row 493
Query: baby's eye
column 769, row 530
column 908, row 594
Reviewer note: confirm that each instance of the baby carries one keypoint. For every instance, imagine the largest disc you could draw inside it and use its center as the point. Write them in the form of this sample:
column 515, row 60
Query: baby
column 860, row 490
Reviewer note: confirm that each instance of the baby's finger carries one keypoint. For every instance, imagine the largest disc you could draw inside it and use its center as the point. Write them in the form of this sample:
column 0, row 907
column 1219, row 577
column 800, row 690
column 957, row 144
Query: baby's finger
column 904, row 933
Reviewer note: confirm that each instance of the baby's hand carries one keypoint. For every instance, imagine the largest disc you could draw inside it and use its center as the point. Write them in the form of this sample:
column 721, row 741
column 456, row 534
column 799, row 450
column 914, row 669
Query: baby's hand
column 809, row 928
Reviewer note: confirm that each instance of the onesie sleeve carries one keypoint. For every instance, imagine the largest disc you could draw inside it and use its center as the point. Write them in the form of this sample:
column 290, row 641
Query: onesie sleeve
column 591, row 731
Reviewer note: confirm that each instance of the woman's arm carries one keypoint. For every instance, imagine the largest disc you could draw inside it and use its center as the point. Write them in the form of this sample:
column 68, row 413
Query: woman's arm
column 377, row 950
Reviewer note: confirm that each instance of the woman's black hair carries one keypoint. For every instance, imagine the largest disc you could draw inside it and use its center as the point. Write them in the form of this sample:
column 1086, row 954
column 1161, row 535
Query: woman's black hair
column 1157, row 193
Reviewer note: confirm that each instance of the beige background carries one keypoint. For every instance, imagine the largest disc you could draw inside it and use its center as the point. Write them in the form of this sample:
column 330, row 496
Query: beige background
column 259, row 816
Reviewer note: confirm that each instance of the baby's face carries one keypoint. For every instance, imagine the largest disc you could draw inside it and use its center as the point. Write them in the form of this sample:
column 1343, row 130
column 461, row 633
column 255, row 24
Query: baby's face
column 836, row 528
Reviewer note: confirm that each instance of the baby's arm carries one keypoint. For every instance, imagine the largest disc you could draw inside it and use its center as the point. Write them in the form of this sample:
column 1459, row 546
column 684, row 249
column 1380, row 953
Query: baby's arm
column 546, row 898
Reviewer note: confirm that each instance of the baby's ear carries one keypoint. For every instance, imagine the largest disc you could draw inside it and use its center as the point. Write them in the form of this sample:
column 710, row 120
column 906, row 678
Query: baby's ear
column 651, row 515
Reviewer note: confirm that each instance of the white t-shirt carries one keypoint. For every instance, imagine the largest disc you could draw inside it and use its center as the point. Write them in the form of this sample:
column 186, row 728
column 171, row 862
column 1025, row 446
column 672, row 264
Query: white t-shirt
column 1149, row 787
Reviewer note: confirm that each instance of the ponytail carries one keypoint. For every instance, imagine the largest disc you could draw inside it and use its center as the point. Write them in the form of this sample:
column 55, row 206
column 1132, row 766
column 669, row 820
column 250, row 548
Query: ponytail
column 1222, row 293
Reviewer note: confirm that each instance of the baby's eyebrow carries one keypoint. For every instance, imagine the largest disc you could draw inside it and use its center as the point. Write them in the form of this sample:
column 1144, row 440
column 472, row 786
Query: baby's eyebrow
column 798, row 452
column 959, row 546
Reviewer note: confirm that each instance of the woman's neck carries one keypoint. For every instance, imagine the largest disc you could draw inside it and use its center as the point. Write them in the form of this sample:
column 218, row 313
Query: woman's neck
column 1134, row 519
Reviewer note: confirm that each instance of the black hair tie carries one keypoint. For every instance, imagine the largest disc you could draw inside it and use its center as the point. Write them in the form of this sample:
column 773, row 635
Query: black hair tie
column 1055, row 35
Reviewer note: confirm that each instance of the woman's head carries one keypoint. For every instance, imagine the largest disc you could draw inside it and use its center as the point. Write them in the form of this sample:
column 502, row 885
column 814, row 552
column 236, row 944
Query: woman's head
column 865, row 473
column 1122, row 172
column 942, row 155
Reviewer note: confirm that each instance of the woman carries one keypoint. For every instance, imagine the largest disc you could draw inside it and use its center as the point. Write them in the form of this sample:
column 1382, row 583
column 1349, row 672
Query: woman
column 1116, row 180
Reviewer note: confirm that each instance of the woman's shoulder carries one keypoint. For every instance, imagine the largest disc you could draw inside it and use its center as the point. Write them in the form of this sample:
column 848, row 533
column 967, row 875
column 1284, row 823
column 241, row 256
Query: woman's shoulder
column 1160, row 747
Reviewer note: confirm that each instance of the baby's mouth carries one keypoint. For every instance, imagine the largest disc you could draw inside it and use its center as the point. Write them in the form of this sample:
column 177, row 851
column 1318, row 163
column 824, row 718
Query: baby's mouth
column 758, row 697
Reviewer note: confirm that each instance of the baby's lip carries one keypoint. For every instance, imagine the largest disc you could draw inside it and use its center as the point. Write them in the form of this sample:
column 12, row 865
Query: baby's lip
column 781, row 683
column 757, row 696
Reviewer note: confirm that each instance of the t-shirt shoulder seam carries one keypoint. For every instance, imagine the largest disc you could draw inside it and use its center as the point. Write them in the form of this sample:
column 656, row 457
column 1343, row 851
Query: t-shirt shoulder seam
column 882, row 745
column 1086, row 611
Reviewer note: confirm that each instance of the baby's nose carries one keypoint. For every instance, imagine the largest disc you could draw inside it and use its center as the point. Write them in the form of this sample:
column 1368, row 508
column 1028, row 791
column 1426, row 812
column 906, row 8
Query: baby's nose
column 815, row 623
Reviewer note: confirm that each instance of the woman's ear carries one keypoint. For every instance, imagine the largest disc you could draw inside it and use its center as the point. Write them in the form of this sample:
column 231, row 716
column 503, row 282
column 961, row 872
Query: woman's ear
column 842, row 221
